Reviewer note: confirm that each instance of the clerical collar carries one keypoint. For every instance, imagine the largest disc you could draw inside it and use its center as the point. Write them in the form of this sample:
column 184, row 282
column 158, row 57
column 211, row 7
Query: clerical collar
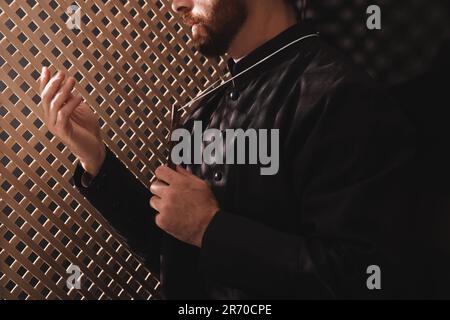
column 298, row 30
column 238, row 59
column 269, row 54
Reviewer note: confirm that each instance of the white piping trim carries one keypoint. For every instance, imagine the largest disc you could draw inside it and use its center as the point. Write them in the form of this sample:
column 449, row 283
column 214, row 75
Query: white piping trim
column 209, row 90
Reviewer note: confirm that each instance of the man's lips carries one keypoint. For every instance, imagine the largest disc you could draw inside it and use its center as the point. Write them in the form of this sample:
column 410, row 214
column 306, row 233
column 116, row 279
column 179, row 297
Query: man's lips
column 194, row 24
column 189, row 22
column 196, row 29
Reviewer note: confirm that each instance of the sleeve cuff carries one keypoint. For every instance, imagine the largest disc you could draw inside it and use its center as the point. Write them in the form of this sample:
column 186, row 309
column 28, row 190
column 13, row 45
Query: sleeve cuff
column 218, row 242
column 85, row 187
column 224, row 242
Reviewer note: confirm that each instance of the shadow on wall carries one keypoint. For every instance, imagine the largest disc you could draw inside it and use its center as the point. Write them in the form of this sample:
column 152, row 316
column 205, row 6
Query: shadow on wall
column 425, row 100
column 411, row 55
column 411, row 33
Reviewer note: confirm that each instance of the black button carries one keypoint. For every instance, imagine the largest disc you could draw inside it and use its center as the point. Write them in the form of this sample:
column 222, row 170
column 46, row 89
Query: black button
column 218, row 176
column 234, row 95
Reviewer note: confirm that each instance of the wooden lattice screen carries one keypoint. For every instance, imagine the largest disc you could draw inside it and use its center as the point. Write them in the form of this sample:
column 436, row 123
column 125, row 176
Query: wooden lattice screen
column 133, row 60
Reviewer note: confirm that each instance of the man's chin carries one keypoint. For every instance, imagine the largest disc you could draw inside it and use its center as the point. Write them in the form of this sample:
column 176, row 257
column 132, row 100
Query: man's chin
column 205, row 47
column 210, row 51
column 208, row 42
column 209, row 48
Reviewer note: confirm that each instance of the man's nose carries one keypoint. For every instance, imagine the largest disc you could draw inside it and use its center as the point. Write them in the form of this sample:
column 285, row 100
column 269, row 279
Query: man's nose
column 182, row 6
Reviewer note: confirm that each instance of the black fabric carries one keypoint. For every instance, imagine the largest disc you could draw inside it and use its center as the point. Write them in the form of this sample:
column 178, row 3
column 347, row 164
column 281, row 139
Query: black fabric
column 124, row 202
column 311, row 231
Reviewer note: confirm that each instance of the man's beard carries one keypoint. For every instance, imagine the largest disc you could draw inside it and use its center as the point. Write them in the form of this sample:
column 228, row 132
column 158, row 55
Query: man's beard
column 221, row 27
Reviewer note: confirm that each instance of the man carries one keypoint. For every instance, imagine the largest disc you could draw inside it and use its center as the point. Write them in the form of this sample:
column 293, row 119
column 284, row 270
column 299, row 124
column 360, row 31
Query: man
column 310, row 231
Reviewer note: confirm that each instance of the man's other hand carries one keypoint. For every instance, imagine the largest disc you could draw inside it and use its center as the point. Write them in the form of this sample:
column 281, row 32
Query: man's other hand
column 185, row 204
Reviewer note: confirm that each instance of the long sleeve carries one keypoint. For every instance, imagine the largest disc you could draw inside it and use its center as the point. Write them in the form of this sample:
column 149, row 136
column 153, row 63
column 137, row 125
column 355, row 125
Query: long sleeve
column 124, row 202
column 349, row 184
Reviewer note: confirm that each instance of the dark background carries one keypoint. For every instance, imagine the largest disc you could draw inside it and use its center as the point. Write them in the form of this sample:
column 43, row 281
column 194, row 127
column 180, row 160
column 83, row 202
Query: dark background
column 411, row 35
column 410, row 55
column 45, row 224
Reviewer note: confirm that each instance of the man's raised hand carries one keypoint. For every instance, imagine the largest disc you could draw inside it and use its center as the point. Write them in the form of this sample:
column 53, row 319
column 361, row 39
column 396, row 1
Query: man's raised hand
column 72, row 120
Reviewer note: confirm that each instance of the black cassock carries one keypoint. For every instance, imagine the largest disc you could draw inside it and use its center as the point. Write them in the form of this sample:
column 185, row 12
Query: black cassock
column 338, row 204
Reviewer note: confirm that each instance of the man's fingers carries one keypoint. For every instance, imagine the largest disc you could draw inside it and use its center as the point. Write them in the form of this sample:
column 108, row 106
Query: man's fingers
column 158, row 188
column 51, row 89
column 166, row 174
column 188, row 174
column 183, row 171
column 63, row 95
column 45, row 76
column 66, row 111
column 155, row 203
